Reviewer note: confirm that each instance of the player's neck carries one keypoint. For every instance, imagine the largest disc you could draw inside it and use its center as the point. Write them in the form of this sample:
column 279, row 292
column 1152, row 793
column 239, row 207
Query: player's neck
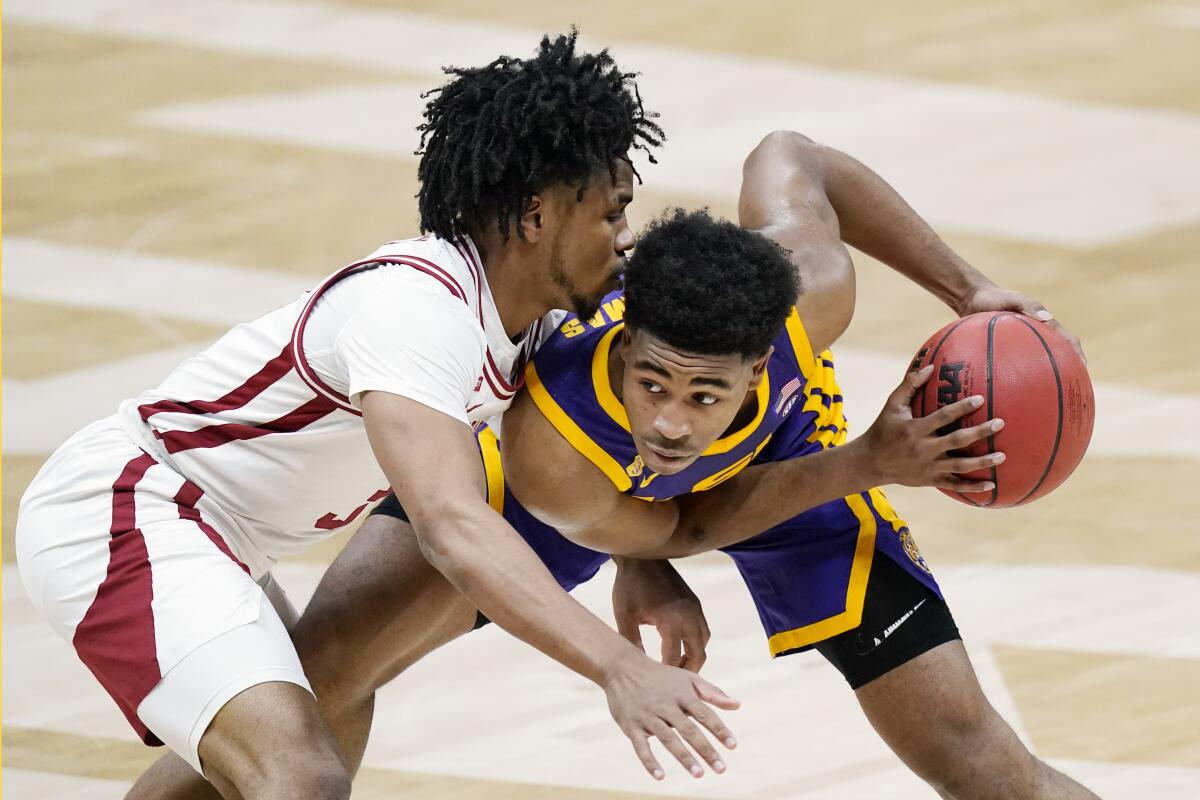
column 515, row 283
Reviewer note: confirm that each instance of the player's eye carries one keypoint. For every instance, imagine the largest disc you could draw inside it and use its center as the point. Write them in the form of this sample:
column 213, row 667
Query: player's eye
column 707, row 400
column 652, row 387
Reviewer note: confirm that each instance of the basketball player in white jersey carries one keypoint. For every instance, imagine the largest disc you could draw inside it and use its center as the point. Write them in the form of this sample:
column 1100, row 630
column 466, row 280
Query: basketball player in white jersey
column 148, row 538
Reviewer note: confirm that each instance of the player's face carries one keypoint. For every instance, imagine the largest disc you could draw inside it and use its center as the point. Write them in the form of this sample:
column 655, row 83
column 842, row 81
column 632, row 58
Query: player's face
column 679, row 403
column 589, row 246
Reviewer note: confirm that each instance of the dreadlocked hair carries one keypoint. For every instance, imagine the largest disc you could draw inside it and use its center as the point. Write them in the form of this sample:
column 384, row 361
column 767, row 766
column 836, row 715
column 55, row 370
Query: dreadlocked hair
column 709, row 286
column 494, row 136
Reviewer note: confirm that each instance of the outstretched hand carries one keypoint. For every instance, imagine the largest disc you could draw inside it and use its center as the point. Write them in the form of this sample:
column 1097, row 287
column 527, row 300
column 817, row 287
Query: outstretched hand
column 650, row 700
column 910, row 451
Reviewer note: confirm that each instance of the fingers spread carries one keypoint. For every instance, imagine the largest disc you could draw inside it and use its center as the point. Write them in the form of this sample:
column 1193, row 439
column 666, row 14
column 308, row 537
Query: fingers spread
column 962, row 439
column 714, row 696
column 713, row 723
column 700, row 743
column 642, row 748
column 948, row 414
column 903, row 395
column 957, row 483
column 675, row 746
column 964, row 466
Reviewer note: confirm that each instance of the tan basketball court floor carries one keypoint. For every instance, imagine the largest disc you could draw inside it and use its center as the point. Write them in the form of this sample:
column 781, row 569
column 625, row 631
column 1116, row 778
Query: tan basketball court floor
column 171, row 168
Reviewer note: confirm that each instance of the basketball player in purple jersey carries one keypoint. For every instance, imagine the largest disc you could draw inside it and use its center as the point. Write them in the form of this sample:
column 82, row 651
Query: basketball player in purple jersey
column 708, row 401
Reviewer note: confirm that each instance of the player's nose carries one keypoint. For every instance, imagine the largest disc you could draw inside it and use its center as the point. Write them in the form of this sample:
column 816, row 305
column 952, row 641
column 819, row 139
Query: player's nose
column 625, row 240
column 673, row 427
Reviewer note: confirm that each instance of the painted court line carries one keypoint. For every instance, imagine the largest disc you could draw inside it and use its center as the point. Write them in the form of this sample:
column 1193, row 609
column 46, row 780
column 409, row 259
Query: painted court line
column 50, row 409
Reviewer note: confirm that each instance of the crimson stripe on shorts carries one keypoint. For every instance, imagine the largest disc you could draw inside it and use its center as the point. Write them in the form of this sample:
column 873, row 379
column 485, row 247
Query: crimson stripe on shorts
column 185, row 499
column 115, row 638
column 255, row 385
column 217, row 435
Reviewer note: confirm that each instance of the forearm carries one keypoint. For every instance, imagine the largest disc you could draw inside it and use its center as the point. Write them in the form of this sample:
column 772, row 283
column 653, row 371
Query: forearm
column 500, row 575
column 875, row 219
column 763, row 496
column 433, row 463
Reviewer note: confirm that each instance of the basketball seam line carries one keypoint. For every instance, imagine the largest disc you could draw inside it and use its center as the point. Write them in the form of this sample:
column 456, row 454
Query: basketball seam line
column 990, row 404
column 1058, row 432
column 932, row 355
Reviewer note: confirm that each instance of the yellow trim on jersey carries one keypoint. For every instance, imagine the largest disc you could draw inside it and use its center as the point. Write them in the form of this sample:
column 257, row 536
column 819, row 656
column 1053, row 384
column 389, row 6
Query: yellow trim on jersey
column 489, row 446
column 727, row 443
column 817, row 375
column 884, row 507
column 800, row 344
column 732, row 469
column 823, row 378
column 600, row 382
column 572, row 432
column 856, row 591
column 616, row 410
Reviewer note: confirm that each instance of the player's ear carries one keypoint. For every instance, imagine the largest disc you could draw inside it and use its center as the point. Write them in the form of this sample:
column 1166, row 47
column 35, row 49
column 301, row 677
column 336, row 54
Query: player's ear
column 624, row 343
column 531, row 221
column 760, row 368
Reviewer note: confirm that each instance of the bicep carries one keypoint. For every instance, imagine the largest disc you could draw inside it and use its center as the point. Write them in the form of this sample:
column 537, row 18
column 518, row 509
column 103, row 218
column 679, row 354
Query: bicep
column 783, row 188
column 783, row 198
column 429, row 458
column 564, row 490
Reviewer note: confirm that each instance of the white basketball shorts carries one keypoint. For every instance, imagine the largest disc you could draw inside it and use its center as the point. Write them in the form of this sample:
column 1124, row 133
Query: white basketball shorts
column 123, row 557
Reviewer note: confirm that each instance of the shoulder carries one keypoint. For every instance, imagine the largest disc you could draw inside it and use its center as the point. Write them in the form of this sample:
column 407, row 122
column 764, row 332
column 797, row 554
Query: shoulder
column 409, row 316
column 452, row 265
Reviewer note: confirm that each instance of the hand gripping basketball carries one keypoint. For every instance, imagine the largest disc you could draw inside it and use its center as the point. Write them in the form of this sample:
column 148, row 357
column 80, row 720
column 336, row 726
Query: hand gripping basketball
column 913, row 452
column 1028, row 373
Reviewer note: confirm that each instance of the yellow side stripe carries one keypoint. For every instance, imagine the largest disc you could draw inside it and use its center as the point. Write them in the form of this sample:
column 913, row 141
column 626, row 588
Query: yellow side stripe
column 572, row 432
column 800, row 344
column 856, row 591
column 604, row 393
column 489, row 446
column 884, row 507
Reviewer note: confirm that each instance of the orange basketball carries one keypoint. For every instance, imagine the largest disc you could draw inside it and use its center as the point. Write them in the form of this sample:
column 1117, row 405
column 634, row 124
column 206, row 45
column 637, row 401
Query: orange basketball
column 1030, row 377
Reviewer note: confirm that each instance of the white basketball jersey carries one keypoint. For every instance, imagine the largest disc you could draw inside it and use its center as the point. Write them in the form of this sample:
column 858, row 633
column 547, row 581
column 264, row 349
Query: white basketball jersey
column 264, row 420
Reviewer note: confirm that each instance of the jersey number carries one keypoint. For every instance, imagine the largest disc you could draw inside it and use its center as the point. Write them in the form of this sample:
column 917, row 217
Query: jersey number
column 330, row 521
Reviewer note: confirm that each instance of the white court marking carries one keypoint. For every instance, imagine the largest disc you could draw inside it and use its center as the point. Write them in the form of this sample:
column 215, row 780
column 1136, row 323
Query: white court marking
column 1183, row 16
column 514, row 715
column 993, row 162
column 51, row 409
column 137, row 283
